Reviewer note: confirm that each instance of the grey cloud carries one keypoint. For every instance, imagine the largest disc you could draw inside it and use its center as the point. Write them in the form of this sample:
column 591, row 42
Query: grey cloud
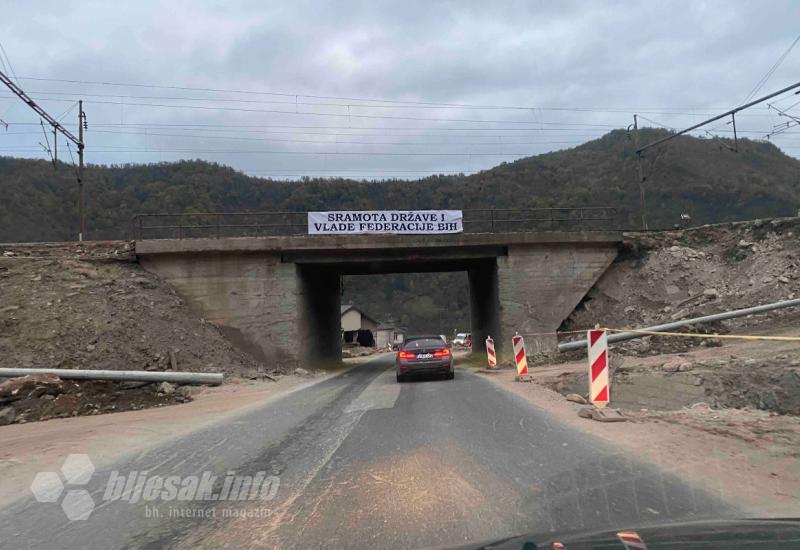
column 667, row 55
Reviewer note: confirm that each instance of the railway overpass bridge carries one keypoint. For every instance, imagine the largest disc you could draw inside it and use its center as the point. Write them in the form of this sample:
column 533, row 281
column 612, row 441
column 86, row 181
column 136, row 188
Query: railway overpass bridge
column 278, row 296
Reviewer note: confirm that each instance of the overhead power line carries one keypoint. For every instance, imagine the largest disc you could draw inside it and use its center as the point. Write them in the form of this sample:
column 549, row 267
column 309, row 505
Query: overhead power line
column 133, row 150
column 276, row 94
column 42, row 95
column 654, row 122
column 766, row 77
column 68, row 111
column 731, row 112
column 301, row 95
column 421, row 139
column 19, row 92
column 336, row 142
column 58, row 127
column 7, row 62
column 782, row 128
column 259, row 127
column 338, row 115
column 294, row 98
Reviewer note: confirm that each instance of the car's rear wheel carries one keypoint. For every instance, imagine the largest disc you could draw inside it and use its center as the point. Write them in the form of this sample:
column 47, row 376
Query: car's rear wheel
column 451, row 375
column 399, row 377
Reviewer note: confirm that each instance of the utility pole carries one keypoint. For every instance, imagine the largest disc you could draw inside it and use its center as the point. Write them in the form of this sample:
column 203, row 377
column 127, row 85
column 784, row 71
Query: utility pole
column 723, row 115
column 81, row 123
column 732, row 113
column 639, row 161
column 78, row 141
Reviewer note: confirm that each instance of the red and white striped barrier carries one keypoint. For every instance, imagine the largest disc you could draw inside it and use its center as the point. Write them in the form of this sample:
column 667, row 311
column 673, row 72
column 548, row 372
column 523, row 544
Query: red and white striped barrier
column 598, row 368
column 490, row 351
column 631, row 540
column 519, row 355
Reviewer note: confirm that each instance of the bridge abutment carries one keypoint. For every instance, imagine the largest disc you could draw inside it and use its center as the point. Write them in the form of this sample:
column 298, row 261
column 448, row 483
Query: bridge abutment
column 539, row 286
column 254, row 299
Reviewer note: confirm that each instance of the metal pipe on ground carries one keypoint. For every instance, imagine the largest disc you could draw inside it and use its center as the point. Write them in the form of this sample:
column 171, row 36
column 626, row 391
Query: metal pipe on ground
column 622, row 336
column 214, row 379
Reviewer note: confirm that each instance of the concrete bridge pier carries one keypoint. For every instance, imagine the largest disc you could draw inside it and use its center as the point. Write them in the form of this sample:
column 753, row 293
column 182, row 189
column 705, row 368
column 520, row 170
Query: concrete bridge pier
column 318, row 315
column 484, row 305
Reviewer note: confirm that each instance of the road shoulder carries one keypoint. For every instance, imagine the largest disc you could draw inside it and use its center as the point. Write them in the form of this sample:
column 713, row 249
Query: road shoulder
column 41, row 446
column 762, row 476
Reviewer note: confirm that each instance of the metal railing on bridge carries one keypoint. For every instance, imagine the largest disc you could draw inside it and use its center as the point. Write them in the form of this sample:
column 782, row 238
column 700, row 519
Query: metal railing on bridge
column 271, row 224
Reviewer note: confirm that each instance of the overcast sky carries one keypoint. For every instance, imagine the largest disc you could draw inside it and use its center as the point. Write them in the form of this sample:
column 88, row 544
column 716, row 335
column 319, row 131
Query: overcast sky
column 571, row 70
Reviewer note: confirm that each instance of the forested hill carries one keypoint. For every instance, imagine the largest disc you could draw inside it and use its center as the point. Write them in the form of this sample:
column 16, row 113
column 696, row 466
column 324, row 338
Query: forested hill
column 697, row 176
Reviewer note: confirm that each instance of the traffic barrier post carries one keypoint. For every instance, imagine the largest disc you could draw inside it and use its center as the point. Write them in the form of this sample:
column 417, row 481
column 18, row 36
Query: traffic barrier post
column 490, row 352
column 520, row 357
column 631, row 540
column 599, row 394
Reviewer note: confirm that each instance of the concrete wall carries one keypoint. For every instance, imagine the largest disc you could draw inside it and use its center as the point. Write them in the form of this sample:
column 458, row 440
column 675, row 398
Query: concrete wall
column 253, row 298
column 539, row 285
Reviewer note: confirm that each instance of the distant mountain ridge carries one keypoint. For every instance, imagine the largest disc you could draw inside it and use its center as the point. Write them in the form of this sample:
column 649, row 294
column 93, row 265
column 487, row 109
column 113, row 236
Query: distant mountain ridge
column 688, row 174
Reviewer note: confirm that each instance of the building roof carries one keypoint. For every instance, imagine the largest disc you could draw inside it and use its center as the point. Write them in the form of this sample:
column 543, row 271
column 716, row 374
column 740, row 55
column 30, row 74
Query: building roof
column 347, row 307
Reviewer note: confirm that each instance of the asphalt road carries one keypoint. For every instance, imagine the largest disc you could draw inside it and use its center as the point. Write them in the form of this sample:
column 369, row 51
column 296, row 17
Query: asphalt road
column 364, row 462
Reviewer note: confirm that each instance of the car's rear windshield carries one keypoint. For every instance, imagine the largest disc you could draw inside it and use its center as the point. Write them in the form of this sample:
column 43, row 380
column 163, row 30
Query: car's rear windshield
column 419, row 343
column 461, row 335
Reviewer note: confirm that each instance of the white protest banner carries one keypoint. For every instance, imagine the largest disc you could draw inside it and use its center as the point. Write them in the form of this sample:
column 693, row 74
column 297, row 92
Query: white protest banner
column 400, row 222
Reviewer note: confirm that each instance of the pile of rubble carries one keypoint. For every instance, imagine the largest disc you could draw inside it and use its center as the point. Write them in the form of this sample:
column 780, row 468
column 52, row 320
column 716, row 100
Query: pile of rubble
column 357, row 351
column 73, row 306
column 45, row 396
column 669, row 276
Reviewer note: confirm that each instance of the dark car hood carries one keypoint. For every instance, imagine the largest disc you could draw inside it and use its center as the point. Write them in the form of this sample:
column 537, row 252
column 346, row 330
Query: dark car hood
column 707, row 535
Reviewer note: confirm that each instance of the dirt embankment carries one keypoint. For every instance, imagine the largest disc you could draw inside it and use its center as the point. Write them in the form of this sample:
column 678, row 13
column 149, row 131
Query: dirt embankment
column 668, row 276
column 90, row 306
column 722, row 414
column 95, row 308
